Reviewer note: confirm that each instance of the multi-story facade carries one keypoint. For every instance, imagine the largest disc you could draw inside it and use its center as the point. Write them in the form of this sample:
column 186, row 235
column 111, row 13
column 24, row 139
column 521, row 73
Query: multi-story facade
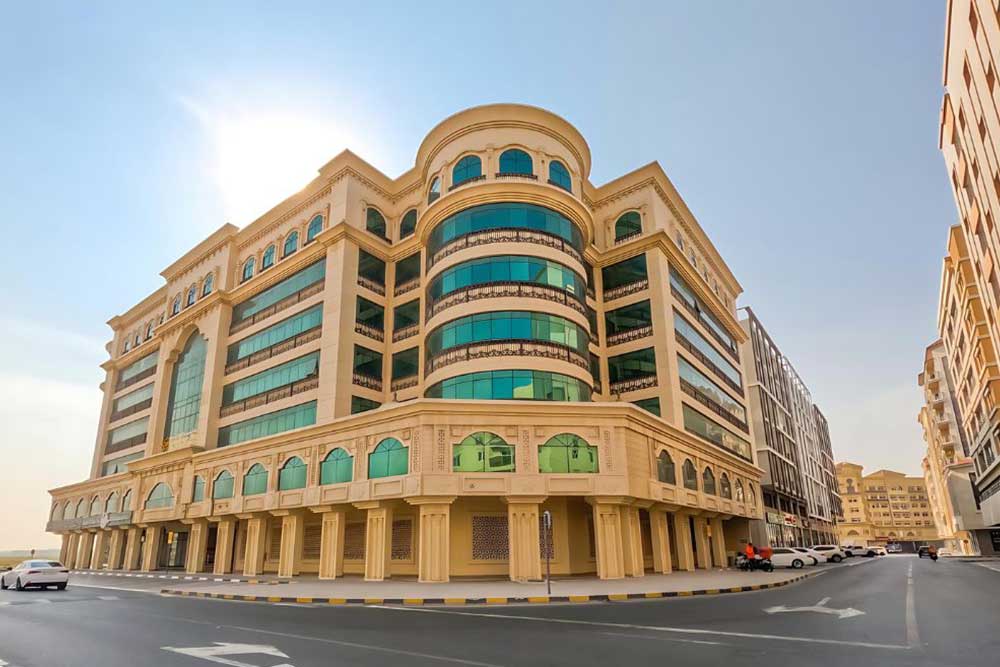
column 948, row 470
column 790, row 434
column 401, row 376
column 884, row 507
column 829, row 470
column 970, row 286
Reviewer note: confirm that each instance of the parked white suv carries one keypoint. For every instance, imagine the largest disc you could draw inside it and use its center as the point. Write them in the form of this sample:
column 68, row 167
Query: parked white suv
column 831, row 552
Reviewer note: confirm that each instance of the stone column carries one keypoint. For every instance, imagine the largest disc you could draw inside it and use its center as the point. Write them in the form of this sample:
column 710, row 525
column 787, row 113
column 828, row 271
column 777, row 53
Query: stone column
column 378, row 540
column 131, row 561
column 225, row 536
column 632, row 541
column 718, row 543
column 100, row 541
column 64, row 548
column 331, row 547
column 434, row 539
column 85, row 551
column 682, row 532
column 290, row 556
column 151, row 548
column 253, row 560
column 115, row 548
column 197, row 543
column 702, row 553
column 524, row 555
column 608, row 535
column 661, row 541
column 71, row 547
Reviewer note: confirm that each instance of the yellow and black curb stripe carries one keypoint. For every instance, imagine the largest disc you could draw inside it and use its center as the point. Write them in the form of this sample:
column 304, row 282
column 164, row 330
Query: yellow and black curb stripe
column 540, row 599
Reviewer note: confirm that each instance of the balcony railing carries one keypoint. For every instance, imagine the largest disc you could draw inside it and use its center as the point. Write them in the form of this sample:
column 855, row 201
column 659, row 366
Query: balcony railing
column 506, row 348
column 626, row 289
column 700, row 356
column 505, row 289
column 287, row 302
column 628, row 237
column 733, row 352
column 367, row 381
column 630, row 335
column 712, row 405
column 515, row 235
column 633, row 384
column 130, row 410
column 399, row 384
column 474, row 179
column 369, row 284
column 108, row 519
column 276, row 394
column 139, row 377
column 276, row 349
column 126, row 443
column 370, row 331
column 530, row 177
column 405, row 332
column 403, row 288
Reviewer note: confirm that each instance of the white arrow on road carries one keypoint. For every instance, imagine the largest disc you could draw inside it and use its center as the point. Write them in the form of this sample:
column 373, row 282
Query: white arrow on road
column 820, row 608
column 215, row 653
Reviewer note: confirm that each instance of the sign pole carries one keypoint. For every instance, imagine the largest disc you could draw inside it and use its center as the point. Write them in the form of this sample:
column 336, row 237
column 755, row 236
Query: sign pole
column 547, row 522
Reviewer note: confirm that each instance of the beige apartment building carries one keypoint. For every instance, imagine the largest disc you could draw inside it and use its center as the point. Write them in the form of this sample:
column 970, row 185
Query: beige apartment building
column 883, row 507
column 948, row 470
column 402, row 377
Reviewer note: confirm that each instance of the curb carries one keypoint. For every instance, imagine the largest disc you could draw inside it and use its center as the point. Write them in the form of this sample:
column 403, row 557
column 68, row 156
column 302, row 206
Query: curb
column 181, row 577
column 541, row 599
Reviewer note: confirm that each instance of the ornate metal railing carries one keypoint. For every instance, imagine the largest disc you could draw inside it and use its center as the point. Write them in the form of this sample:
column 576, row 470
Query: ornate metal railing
column 276, row 349
column 504, row 289
column 287, row 302
column 398, row 384
column 276, row 394
column 630, row 334
column 405, row 332
column 369, row 284
column 403, row 288
column 367, row 381
column 712, row 405
column 370, row 331
column 697, row 313
column 633, row 384
column 507, row 235
column 530, row 177
column 626, row 289
column 474, row 179
column 506, row 348
column 628, row 237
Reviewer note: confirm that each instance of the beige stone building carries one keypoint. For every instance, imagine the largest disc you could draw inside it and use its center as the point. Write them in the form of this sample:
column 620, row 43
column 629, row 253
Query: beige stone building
column 948, row 470
column 883, row 507
column 400, row 376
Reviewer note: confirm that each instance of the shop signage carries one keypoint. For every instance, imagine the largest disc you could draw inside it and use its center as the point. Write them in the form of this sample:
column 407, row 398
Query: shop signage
column 774, row 517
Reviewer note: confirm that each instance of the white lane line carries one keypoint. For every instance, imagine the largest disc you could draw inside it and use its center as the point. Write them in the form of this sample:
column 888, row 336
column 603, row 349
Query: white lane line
column 108, row 598
column 988, row 566
column 653, row 628
column 912, row 631
column 663, row 639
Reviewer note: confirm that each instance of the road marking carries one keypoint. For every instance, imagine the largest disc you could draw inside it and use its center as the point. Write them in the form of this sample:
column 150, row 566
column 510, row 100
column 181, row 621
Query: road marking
column 654, row 628
column 912, row 631
column 820, row 608
column 108, row 598
column 988, row 566
column 215, row 653
column 663, row 639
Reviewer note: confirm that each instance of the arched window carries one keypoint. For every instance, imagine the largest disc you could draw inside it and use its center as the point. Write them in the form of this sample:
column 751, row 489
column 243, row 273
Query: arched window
column 375, row 222
column 389, row 458
column 206, row 287
column 248, row 270
column 665, row 468
column 516, row 161
column 627, row 226
column 255, row 481
column 725, row 489
column 81, row 509
column 690, row 475
column 57, row 512
column 161, row 496
column 198, row 491
column 137, row 340
column 149, row 331
column 69, row 511
column 222, row 487
column 482, row 452
column 291, row 244
column 127, row 501
column 292, row 475
column 752, row 493
column 96, row 506
column 192, row 295
column 112, row 503
column 434, row 193
column 184, row 401
column 708, row 481
column 467, row 169
column 176, row 308
column 409, row 224
column 567, row 453
column 125, row 348
column 337, row 467
column 314, row 228
column 267, row 260
column 740, row 497
column 559, row 175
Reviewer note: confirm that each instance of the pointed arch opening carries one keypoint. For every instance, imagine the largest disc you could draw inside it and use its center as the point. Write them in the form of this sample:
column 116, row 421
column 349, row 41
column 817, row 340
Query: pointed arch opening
column 567, row 453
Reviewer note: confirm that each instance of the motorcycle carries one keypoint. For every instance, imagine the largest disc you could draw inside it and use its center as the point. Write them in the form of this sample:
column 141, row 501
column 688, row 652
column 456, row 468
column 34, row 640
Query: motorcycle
column 758, row 563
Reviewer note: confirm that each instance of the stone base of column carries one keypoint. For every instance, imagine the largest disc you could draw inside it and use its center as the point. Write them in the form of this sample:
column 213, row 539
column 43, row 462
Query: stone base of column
column 662, row 562
column 197, row 543
column 151, row 548
column 331, row 548
column 253, row 560
column 290, row 556
column 682, row 533
column 225, row 536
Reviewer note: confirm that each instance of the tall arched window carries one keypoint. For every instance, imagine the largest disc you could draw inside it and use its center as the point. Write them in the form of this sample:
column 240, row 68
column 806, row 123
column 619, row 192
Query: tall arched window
column 690, row 475
column 628, row 225
column 408, row 225
column 125, row 348
column 482, row 452
column 725, row 489
column 69, row 512
column 255, row 481
column 161, row 496
column 567, row 452
column 248, row 269
column 389, row 458
column 222, row 487
column 559, row 175
column 337, row 467
column 198, row 490
column 149, row 331
column 57, row 512
column 176, row 308
column 192, row 295
column 292, row 475
column 708, row 481
column 81, row 509
column 96, row 506
column 665, row 468
column 291, row 244
column 184, row 402
column 516, row 161
column 434, row 193
column 739, row 492
column 127, row 501
column 467, row 169
column 752, row 494
column 112, row 503
column 375, row 222
column 314, row 228
column 267, row 259
column 206, row 287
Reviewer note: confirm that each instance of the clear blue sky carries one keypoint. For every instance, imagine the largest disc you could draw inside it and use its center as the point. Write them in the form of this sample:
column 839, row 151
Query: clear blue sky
column 802, row 135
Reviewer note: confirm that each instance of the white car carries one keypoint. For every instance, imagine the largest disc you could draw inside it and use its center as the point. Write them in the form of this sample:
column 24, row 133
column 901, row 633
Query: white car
column 788, row 557
column 851, row 550
column 831, row 552
column 40, row 573
column 816, row 557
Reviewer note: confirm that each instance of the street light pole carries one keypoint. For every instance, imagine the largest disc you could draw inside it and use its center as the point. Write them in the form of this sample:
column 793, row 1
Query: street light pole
column 547, row 523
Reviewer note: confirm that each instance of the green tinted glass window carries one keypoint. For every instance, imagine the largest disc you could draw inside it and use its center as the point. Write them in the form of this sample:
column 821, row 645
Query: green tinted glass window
column 408, row 224
column 708, row 481
column 690, row 475
column 483, row 452
column 406, row 314
column 700, row 425
column 511, row 385
column 297, row 281
column 408, row 269
column 294, row 417
column 567, row 453
column 627, row 318
column 699, row 342
column 507, row 268
column 434, row 192
column 665, row 468
column 278, row 333
column 282, row 375
column 375, row 222
column 292, row 475
column 129, row 430
column 649, row 405
column 337, row 467
column 367, row 362
column 133, row 398
column 388, row 459
column 255, row 481
column 628, row 224
column 139, row 366
column 468, row 167
column 184, row 403
column 631, row 365
column 198, row 492
column 222, row 487
column 370, row 314
column 161, row 496
column 515, row 161
column 707, row 387
column 504, row 216
column 267, row 259
column 361, row 404
column 405, row 363
column 291, row 244
column 559, row 175
column 315, row 227
column 371, row 267
column 248, row 267
column 507, row 325
column 625, row 272
column 120, row 464
column 705, row 315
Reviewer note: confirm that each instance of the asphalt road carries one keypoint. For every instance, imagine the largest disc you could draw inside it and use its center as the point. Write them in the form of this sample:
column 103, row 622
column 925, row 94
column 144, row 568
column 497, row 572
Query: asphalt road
column 916, row 612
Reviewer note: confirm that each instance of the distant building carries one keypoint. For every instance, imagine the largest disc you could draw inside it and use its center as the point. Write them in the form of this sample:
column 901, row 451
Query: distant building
column 883, row 507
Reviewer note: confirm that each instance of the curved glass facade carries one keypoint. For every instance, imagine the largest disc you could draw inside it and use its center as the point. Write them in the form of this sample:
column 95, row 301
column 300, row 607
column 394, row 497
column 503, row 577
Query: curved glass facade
column 511, row 385
column 507, row 325
column 504, row 216
column 507, row 268
column 184, row 403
